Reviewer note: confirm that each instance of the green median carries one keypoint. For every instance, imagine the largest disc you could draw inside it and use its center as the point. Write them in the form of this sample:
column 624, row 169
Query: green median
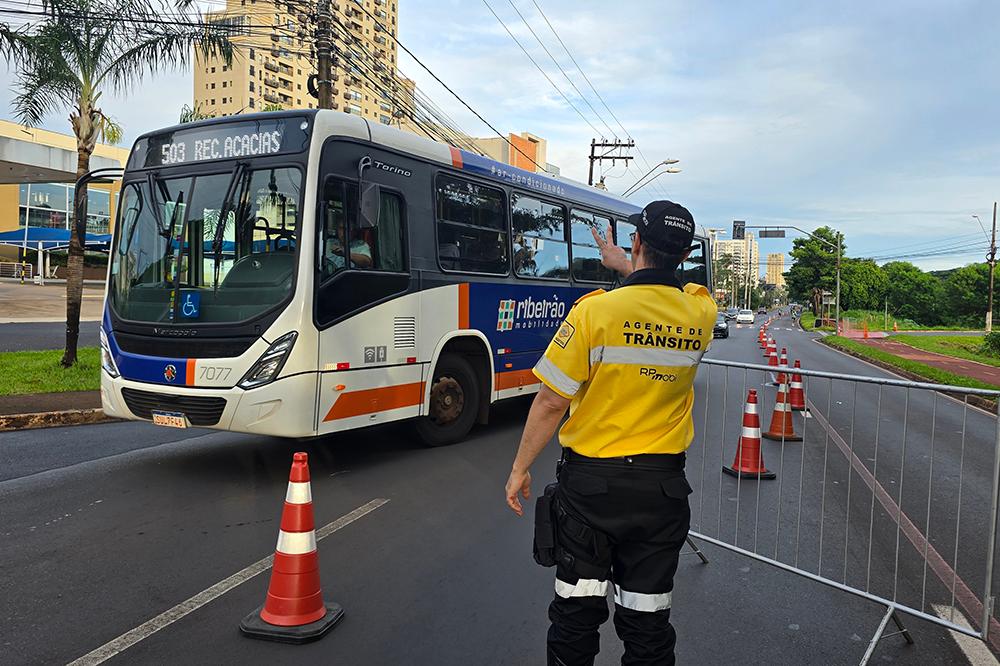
column 40, row 372
column 968, row 347
column 920, row 370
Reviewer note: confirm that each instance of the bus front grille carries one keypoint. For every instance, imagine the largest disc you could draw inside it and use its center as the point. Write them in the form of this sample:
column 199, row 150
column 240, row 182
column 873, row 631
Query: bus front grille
column 199, row 410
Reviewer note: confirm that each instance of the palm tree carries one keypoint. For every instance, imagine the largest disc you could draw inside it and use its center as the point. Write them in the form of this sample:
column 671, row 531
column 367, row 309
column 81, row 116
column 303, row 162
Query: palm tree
column 67, row 56
column 192, row 114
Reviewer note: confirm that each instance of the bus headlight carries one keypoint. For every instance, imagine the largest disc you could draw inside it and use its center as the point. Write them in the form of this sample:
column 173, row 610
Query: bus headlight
column 107, row 360
column 270, row 363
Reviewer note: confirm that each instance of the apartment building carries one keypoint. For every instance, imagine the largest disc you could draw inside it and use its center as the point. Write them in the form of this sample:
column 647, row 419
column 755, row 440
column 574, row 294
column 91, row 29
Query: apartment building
column 275, row 57
column 775, row 269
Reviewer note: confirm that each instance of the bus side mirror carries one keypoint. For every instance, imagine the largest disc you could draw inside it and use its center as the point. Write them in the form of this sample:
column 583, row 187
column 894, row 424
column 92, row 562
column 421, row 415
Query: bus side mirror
column 371, row 202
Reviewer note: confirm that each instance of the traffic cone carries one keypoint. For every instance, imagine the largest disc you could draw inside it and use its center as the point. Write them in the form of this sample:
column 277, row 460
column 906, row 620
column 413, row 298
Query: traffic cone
column 781, row 419
column 294, row 611
column 796, row 394
column 749, row 460
column 866, row 329
column 782, row 378
column 895, row 326
column 762, row 338
column 771, row 345
column 772, row 358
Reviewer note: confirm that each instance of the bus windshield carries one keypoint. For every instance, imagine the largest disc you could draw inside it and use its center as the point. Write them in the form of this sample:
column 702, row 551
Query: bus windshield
column 207, row 248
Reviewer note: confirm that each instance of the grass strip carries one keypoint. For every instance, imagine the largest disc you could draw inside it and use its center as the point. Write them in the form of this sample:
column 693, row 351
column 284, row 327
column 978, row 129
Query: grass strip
column 24, row 372
column 964, row 347
column 919, row 370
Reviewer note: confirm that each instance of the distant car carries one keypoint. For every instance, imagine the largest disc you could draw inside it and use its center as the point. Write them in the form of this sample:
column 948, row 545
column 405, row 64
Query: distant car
column 745, row 317
column 721, row 327
column 762, row 310
column 730, row 313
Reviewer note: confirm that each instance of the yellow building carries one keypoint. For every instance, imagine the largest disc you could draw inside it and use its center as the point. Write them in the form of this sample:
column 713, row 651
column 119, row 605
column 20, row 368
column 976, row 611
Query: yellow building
column 37, row 173
column 775, row 269
column 275, row 57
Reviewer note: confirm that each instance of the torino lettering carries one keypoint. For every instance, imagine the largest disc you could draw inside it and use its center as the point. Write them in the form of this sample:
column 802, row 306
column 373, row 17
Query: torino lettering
column 529, row 308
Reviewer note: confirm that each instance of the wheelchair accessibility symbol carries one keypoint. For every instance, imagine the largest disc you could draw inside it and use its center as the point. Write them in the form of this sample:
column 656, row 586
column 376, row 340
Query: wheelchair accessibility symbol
column 190, row 304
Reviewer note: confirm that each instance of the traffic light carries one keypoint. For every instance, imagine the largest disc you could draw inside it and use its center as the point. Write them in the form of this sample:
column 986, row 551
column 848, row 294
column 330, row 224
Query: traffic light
column 739, row 229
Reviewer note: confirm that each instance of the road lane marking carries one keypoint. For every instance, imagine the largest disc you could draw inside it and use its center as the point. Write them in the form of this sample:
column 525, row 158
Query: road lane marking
column 150, row 627
column 944, row 571
column 974, row 649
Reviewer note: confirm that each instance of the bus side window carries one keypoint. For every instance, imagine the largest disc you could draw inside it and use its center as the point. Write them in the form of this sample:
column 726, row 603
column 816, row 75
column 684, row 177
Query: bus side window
column 693, row 269
column 378, row 248
column 586, row 256
column 471, row 227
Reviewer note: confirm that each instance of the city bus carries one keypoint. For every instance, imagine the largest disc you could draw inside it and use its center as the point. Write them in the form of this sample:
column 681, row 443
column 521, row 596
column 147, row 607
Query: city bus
column 301, row 273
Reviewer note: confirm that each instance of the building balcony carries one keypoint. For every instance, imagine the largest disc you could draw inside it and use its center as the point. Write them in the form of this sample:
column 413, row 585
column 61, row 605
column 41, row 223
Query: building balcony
column 274, row 99
column 271, row 82
column 270, row 66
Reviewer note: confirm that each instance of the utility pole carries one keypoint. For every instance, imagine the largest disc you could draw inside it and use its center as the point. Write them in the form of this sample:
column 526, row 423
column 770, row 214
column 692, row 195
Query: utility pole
column 993, row 263
column 612, row 145
column 324, row 57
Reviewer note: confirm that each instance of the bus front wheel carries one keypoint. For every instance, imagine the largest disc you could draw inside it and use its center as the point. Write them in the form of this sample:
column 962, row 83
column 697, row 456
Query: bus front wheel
column 454, row 402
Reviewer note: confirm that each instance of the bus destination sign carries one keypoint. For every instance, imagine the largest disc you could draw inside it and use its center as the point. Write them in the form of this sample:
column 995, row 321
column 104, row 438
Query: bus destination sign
column 224, row 141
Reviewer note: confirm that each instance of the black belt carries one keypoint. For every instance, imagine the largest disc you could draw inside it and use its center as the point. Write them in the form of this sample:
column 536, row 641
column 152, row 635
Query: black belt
column 667, row 461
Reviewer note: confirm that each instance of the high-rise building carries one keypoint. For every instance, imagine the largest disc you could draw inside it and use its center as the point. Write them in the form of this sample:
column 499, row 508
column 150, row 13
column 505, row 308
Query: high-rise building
column 275, row 56
column 745, row 257
column 775, row 269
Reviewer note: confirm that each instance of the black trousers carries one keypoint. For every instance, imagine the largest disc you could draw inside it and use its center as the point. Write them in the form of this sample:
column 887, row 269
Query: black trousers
column 620, row 525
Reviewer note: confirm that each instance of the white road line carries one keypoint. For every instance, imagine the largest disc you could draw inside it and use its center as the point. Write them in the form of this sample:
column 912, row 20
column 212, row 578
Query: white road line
column 150, row 627
column 974, row 649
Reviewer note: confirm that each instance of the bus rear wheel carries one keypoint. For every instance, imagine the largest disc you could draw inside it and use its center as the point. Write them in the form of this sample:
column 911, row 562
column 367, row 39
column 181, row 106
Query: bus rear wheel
column 454, row 402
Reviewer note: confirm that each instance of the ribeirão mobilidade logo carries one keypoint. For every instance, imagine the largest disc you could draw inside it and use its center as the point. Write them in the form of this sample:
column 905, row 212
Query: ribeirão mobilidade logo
column 530, row 313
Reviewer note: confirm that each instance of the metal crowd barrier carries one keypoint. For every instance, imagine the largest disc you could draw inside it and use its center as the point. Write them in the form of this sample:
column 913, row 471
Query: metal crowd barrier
column 892, row 494
column 12, row 269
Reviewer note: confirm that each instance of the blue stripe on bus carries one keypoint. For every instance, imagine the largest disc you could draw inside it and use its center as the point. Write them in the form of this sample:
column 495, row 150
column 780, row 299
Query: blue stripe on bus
column 149, row 369
column 484, row 166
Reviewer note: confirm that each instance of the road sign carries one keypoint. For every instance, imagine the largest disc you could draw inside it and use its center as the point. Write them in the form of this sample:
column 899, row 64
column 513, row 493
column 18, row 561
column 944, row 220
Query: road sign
column 772, row 233
column 739, row 229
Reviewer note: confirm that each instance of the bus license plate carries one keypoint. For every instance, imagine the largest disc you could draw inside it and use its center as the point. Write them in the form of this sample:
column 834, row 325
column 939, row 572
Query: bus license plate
column 170, row 419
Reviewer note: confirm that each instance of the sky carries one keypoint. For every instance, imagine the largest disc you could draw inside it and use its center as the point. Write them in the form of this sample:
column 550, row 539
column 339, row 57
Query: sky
column 877, row 119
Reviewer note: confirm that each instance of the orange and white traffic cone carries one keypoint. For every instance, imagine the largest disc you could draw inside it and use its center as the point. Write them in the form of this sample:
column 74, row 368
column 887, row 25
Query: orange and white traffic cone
column 782, row 378
column 782, row 428
column 749, row 460
column 771, row 346
column 772, row 358
column 294, row 611
column 796, row 394
column 895, row 326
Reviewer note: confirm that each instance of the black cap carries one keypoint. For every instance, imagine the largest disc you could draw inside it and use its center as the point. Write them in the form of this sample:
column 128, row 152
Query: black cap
column 665, row 226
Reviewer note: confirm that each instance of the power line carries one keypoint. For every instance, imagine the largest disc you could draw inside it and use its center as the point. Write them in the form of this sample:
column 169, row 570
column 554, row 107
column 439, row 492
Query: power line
column 560, row 67
column 646, row 163
column 539, row 68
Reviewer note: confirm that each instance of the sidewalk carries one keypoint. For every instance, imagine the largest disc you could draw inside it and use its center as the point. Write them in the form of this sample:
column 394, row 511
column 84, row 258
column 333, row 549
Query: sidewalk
column 32, row 303
column 959, row 366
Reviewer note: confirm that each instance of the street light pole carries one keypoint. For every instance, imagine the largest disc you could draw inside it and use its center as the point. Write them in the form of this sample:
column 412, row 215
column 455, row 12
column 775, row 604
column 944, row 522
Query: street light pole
column 840, row 237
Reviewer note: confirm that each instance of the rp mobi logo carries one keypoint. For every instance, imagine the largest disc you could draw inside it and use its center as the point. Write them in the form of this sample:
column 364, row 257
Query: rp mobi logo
column 505, row 315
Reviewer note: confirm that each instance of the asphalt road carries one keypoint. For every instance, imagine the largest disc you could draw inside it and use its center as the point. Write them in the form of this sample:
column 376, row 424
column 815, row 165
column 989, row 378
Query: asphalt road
column 105, row 527
column 45, row 335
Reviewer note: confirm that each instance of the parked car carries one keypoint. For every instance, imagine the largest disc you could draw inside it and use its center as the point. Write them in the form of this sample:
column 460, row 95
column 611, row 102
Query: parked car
column 745, row 317
column 721, row 327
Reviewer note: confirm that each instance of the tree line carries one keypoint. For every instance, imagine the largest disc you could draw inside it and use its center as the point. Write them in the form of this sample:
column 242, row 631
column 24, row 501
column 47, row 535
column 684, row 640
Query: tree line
column 940, row 298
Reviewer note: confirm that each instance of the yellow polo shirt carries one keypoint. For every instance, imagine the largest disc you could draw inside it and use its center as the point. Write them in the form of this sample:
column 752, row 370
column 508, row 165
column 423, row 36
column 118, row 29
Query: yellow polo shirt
column 627, row 359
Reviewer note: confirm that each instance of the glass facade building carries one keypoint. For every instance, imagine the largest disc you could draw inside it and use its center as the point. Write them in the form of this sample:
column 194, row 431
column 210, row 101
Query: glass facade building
column 51, row 205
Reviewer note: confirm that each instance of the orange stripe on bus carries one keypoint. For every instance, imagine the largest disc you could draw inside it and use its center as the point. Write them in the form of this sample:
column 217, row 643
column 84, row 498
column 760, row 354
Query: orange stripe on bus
column 369, row 401
column 456, row 157
column 463, row 305
column 189, row 372
column 514, row 378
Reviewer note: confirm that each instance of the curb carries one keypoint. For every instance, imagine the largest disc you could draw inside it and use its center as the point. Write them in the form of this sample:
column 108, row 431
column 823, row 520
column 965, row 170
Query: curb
column 975, row 400
column 53, row 419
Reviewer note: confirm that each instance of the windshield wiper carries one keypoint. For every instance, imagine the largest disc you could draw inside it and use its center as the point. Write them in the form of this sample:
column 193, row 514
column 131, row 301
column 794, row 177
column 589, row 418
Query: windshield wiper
column 220, row 226
column 179, row 254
